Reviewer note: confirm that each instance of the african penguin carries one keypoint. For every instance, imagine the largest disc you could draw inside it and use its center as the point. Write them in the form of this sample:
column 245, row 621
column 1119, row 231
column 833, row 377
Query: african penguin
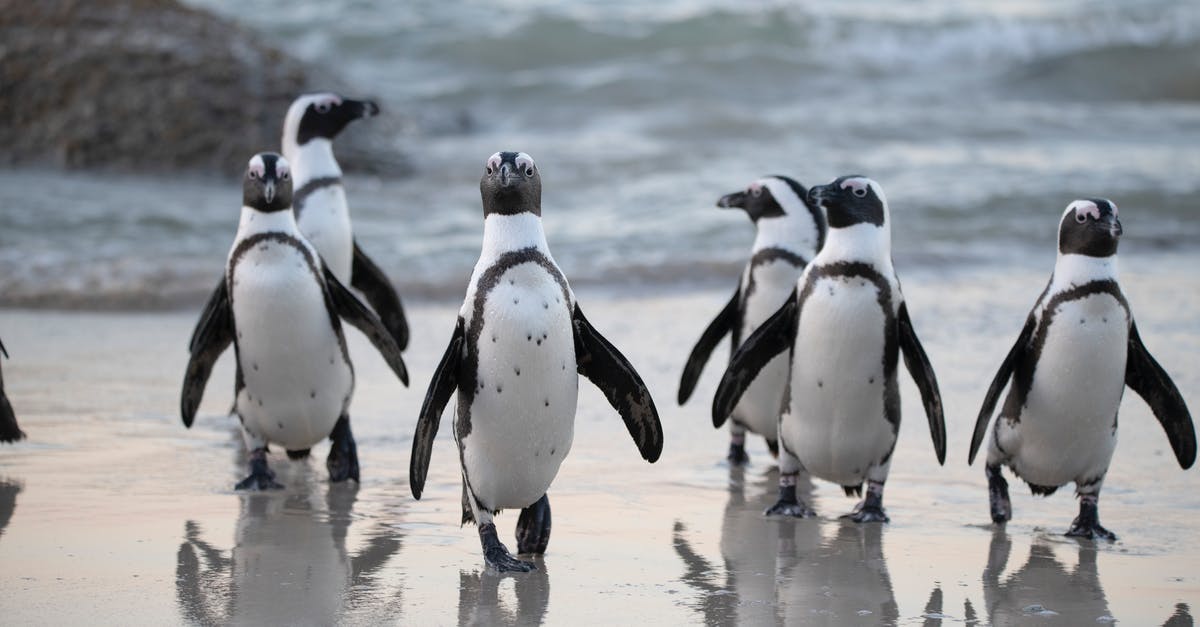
column 9, row 430
column 520, row 340
column 1069, row 368
column 845, row 324
column 319, row 200
column 281, row 308
column 789, row 234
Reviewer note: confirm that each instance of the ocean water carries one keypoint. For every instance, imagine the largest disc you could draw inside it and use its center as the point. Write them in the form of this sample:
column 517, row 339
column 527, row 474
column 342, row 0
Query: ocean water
column 981, row 121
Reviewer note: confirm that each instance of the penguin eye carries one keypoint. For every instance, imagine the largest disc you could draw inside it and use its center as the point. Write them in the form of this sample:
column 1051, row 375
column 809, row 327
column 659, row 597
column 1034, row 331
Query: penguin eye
column 528, row 170
column 489, row 169
column 756, row 191
column 285, row 175
column 322, row 107
column 253, row 174
column 860, row 192
column 1080, row 218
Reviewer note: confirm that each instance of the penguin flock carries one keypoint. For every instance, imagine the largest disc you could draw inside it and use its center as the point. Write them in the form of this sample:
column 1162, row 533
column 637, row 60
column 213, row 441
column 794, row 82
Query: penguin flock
column 818, row 324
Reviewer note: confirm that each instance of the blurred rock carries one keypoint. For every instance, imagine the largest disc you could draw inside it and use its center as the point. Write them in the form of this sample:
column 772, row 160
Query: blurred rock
column 152, row 85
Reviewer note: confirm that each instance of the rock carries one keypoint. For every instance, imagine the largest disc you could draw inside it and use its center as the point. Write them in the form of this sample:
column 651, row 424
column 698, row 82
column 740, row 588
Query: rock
column 149, row 85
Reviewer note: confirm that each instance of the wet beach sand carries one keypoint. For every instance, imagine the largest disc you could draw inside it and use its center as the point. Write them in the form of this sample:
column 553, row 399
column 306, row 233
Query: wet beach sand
column 113, row 513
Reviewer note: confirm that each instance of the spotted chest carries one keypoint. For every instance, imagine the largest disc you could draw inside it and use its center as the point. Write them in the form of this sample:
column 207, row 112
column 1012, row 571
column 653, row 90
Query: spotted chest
column 515, row 421
column 842, row 411
column 296, row 378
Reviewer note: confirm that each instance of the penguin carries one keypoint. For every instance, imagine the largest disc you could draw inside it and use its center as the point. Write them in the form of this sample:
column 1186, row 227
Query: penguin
column 319, row 200
column 10, row 431
column 519, row 344
column 1069, row 367
column 281, row 307
column 789, row 233
column 845, row 325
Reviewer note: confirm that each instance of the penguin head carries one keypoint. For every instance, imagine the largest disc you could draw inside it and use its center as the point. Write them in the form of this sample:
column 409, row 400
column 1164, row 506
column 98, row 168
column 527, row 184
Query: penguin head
column 777, row 202
column 1089, row 227
column 511, row 184
column 851, row 200
column 314, row 116
column 267, row 185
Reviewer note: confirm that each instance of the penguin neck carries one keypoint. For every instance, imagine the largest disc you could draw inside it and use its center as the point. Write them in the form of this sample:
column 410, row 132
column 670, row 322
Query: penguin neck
column 254, row 221
column 860, row 242
column 312, row 160
column 1073, row 269
column 793, row 233
column 506, row 233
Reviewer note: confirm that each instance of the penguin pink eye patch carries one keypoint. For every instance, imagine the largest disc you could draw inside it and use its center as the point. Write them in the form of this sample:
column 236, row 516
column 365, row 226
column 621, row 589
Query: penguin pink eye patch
column 856, row 185
column 755, row 188
column 1085, row 209
column 257, row 168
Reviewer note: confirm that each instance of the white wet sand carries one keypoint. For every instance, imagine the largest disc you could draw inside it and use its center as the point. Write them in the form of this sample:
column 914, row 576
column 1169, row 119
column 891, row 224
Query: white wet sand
column 113, row 513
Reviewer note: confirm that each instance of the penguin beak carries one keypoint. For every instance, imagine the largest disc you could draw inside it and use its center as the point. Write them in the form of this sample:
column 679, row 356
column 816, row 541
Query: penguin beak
column 736, row 200
column 507, row 175
column 361, row 108
column 269, row 191
column 817, row 194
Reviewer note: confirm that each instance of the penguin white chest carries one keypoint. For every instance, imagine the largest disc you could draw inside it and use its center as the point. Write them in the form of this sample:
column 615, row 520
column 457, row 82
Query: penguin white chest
column 325, row 222
column 836, row 423
column 521, row 420
column 768, row 288
column 1068, row 425
column 297, row 380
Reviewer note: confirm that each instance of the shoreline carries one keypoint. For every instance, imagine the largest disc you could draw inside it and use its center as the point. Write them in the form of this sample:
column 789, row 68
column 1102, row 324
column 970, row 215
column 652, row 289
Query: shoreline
column 112, row 504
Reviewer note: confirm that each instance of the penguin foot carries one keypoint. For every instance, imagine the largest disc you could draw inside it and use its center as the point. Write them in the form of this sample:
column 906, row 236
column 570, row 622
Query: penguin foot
column 867, row 513
column 1087, row 524
column 342, row 462
column 533, row 527
column 789, row 505
column 496, row 554
column 261, row 476
column 998, row 499
column 737, row 454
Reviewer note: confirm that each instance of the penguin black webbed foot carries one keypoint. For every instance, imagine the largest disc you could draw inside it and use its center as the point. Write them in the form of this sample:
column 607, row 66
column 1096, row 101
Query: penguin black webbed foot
column 342, row 462
column 261, row 476
column 789, row 505
column 1087, row 525
column 533, row 527
column 867, row 513
column 737, row 454
column 496, row 554
column 998, row 500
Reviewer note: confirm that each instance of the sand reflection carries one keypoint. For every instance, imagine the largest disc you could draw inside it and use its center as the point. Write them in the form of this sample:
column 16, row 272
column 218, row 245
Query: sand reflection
column 789, row 571
column 289, row 563
column 484, row 598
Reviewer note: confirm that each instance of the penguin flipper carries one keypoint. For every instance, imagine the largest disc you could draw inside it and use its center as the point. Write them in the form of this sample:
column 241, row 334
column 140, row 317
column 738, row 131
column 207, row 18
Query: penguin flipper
column 1015, row 355
column 922, row 373
column 213, row 334
column 1144, row 376
column 368, row 278
column 775, row 335
column 712, row 335
column 347, row 306
column 443, row 384
column 9, row 430
column 608, row 370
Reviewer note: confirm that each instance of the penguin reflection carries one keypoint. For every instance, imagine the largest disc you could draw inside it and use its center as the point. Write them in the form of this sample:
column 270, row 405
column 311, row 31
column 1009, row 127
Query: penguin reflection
column 749, row 547
column 480, row 601
column 289, row 563
column 785, row 571
column 9, row 490
column 835, row 580
column 1076, row 595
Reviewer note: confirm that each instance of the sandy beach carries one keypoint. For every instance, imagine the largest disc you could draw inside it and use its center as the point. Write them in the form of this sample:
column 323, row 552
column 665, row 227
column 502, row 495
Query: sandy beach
column 113, row 513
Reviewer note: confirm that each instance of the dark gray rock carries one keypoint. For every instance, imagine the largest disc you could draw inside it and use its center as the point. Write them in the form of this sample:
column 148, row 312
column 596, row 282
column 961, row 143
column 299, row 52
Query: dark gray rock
column 151, row 85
